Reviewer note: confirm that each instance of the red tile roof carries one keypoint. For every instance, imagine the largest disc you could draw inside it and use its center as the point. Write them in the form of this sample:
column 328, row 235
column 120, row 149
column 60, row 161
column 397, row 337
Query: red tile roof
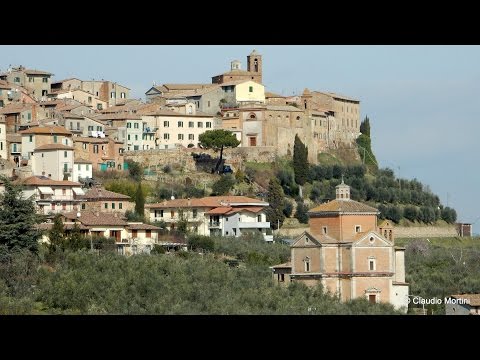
column 89, row 218
column 57, row 130
column 474, row 299
column 102, row 194
column 45, row 181
column 209, row 201
column 343, row 206
column 53, row 147
column 142, row 226
column 219, row 210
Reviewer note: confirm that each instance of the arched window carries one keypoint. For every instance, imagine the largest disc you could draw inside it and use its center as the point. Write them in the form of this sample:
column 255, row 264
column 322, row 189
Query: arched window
column 307, row 263
column 255, row 64
column 252, row 116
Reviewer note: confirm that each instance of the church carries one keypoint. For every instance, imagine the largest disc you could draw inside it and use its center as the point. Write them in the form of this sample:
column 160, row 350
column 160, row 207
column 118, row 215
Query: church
column 349, row 253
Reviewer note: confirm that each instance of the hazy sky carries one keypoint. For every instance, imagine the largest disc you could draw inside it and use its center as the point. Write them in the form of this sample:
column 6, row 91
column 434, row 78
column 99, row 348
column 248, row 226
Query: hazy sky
column 422, row 100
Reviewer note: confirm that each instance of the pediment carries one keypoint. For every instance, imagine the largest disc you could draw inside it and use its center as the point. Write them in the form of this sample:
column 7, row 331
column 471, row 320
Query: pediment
column 305, row 239
column 372, row 239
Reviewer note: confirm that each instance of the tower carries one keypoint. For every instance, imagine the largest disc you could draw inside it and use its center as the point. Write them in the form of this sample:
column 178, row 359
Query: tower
column 235, row 65
column 254, row 63
column 342, row 191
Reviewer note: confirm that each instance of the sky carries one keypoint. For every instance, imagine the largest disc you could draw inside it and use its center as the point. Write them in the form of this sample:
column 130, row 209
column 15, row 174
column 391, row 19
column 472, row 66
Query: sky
column 422, row 101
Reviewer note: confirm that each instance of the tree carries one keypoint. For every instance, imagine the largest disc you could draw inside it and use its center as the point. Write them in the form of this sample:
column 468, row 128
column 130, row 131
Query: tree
column 75, row 240
column 223, row 185
column 275, row 198
column 18, row 219
column 135, row 170
column 300, row 161
column 217, row 140
column 365, row 126
column 56, row 235
column 139, row 201
column 301, row 213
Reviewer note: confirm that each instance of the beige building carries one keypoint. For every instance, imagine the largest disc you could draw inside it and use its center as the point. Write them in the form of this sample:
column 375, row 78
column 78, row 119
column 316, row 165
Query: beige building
column 349, row 253
column 52, row 196
column 54, row 161
column 37, row 82
column 104, row 153
column 82, row 96
column 214, row 215
column 3, row 139
column 105, row 201
column 37, row 136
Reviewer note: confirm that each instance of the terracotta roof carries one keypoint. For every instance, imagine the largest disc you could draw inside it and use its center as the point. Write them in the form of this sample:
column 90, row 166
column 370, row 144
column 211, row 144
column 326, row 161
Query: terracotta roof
column 237, row 72
column 53, row 147
column 66, row 226
column 219, row 210
column 98, row 194
column 79, row 139
column 236, row 82
column 15, row 108
column 14, row 138
column 119, row 116
column 338, row 96
column 5, row 85
column 254, row 209
column 47, row 130
column 474, row 299
column 65, row 80
column 170, row 87
column 142, row 226
column 36, row 72
column 343, row 206
column 91, row 219
column 43, row 180
column 283, row 108
column 82, row 161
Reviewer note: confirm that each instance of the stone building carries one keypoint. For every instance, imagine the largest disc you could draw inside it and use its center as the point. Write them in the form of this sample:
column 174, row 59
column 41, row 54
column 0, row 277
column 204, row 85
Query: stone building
column 253, row 72
column 348, row 253
column 37, row 82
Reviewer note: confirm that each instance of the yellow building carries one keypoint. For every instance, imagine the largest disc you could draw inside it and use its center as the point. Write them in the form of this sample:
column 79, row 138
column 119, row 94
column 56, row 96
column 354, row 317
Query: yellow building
column 348, row 253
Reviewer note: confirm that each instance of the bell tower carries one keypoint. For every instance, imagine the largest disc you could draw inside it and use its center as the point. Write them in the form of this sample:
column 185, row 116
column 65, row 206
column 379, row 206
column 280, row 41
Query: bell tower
column 342, row 191
column 254, row 64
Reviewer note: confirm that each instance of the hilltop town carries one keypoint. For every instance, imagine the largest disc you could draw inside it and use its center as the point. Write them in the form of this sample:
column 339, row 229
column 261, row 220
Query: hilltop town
column 75, row 147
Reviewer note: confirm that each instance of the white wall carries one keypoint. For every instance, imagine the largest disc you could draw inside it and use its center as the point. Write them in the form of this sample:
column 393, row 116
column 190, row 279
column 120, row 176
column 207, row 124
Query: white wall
column 52, row 162
column 81, row 170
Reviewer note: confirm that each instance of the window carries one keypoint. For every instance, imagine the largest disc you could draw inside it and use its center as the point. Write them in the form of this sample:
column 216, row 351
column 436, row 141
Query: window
column 120, row 206
column 64, row 206
column 65, row 167
column 180, row 124
column 17, row 79
column 172, row 213
column 371, row 264
column 259, row 218
column 53, row 206
column 180, row 136
column 250, row 89
column 122, row 95
column 55, row 138
column 64, row 154
column 166, row 124
column 358, row 228
column 191, row 124
column 166, row 136
column 281, row 277
column 134, row 233
column 135, row 125
column 194, row 213
column 372, row 239
column 112, row 95
column 191, row 137
column 324, row 230
column 129, row 125
column 148, row 233
column 64, row 191
column 83, row 206
column 1, row 145
column 136, row 137
column 128, row 137
column 79, row 167
column 307, row 264
column 113, row 206
column 30, row 138
column 95, row 149
column 45, row 80
column 31, row 79
column 89, row 99
column 90, row 128
column 208, row 124
column 200, row 124
column 135, row 147
column 106, row 205
column 99, row 106
column 88, row 167
column 372, row 298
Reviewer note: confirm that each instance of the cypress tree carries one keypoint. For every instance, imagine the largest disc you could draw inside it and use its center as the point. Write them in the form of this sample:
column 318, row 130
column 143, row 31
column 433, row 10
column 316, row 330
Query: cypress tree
column 139, row 201
column 56, row 234
column 275, row 198
column 300, row 161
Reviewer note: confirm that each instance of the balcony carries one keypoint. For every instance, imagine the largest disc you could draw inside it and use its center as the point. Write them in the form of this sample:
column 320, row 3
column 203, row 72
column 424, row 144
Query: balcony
column 214, row 224
column 149, row 130
column 254, row 225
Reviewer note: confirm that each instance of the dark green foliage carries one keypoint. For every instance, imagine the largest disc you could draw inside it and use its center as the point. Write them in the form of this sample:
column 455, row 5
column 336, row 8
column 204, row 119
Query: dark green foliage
column 135, row 170
column 223, row 185
column 300, row 161
column 157, row 250
column 301, row 213
column 56, row 234
column 17, row 219
column 366, row 153
column 275, row 199
column 167, row 169
column 140, row 201
column 75, row 240
column 103, row 244
column 217, row 140
column 365, row 126
column 410, row 213
column 449, row 215
column 200, row 242
column 287, row 181
column 393, row 213
column 133, row 216
column 287, row 208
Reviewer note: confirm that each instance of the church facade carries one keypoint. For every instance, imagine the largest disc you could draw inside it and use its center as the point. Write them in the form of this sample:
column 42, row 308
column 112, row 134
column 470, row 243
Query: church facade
column 349, row 253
